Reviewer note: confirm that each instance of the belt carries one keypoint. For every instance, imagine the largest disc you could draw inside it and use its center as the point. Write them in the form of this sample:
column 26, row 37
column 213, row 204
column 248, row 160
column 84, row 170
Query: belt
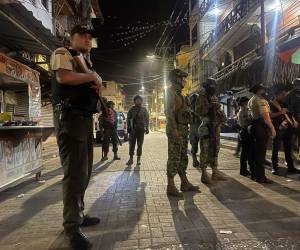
column 73, row 111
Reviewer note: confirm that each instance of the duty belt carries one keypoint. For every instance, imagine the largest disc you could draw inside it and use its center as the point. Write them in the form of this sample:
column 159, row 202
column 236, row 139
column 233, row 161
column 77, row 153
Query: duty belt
column 72, row 111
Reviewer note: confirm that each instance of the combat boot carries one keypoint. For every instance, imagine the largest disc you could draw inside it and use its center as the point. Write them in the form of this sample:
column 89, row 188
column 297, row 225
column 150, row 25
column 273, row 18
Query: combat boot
column 172, row 190
column 130, row 161
column 116, row 157
column 205, row 177
column 104, row 157
column 196, row 163
column 138, row 162
column 217, row 175
column 186, row 186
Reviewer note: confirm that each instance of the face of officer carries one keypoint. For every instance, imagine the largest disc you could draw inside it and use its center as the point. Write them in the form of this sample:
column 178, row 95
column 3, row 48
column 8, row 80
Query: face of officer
column 211, row 90
column 261, row 92
column 281, row 96
column 81, row 42
column 138, row 102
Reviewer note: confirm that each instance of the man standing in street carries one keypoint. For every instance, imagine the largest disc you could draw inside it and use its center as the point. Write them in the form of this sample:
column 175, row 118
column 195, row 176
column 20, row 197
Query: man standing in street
column 284, row 127
column 178, row 115
column 194, row 134
column 138, row 126
column 75, row 98
column 209, row 110
column 110, row 132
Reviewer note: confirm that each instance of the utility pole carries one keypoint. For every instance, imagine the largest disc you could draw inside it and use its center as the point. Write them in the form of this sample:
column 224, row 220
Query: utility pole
column 263, row 27
column 156, row 106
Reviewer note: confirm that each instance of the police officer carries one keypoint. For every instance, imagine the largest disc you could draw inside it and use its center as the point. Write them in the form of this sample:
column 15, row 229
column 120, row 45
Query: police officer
column 178, row 115
column 261, row 124
column 110, row 132
column 293, row 105
column 75, row 97
column 243, row 120
column 138, row 126
column 194, row 136
column 209, row 110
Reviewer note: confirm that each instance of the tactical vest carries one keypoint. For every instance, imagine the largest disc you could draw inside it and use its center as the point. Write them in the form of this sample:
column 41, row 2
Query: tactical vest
column 80, row 97
column 183, row 114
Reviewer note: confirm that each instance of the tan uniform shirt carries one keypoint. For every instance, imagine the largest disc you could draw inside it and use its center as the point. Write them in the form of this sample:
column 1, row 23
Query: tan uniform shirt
column 61, row 58
column 257, row 107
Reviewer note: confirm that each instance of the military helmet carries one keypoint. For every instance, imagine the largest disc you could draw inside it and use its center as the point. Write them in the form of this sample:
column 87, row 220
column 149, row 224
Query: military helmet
column 210, row 82
column 110, row 103
column 137, row 97
column 296, row 83
column 176, row 76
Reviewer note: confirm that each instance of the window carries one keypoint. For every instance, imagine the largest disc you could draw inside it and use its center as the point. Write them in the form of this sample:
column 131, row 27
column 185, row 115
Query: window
column 195, row 34
column 45, row 4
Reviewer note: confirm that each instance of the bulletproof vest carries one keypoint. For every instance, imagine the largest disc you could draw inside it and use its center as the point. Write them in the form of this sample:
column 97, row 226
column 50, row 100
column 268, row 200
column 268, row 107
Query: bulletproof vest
column 80, row 97
column 183, row 115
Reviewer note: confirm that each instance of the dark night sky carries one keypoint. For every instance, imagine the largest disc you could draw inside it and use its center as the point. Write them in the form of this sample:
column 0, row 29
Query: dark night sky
column 112, row 59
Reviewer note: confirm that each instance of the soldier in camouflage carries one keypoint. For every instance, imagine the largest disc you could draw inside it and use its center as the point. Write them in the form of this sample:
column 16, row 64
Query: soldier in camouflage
column 209, row 110
column 194, row 135
column 178, row 116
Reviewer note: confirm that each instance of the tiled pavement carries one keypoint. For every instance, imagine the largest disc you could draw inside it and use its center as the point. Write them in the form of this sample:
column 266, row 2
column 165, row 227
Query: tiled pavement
column 136, row 213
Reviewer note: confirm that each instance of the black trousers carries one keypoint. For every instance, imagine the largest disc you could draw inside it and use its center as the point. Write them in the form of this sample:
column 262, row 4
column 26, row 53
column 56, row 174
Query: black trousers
column 110, row 135
column 246, row 156
column 136, row 137
column 285, row 136
column 75, row 142
column 259, row 143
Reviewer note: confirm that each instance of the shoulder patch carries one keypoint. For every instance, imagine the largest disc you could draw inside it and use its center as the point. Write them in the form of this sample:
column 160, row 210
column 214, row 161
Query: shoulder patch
column 60, row 51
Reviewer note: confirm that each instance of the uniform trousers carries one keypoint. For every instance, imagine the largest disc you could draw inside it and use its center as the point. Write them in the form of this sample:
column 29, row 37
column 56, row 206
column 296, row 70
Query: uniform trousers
column 136, row 137
column 74, row 135
column 259, row 142
column 110, row 135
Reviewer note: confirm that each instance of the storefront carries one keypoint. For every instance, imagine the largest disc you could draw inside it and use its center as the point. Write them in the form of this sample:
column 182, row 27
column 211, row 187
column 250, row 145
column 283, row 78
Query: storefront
column 21, row 133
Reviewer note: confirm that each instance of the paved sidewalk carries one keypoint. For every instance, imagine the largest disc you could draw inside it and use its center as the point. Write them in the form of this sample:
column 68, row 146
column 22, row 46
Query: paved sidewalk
column 137, row 214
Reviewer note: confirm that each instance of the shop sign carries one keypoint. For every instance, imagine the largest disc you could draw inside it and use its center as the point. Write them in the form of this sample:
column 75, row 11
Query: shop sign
column 18, row 70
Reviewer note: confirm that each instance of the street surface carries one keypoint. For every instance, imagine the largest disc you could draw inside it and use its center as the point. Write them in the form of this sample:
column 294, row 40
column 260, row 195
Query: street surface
column 136, row 213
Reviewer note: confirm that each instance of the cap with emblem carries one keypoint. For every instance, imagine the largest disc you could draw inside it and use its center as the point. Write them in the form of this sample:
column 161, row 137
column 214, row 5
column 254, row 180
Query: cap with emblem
column 83, row 29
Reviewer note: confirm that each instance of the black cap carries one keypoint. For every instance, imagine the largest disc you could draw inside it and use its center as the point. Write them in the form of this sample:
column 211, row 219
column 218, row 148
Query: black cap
column 137, row 97
column 256, row 88
column 242, row 100
column 82, row 29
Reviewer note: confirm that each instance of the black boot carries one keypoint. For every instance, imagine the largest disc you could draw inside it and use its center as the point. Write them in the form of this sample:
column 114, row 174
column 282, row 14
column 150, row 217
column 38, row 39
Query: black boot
column 78, row 240
column 138, row 162
column 130, row 161
column 90, row 221
column 116, row 157
column 104, row 157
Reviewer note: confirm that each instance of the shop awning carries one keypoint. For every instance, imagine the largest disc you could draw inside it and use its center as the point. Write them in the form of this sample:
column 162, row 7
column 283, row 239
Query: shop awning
column 290, row 51
column 20, row 30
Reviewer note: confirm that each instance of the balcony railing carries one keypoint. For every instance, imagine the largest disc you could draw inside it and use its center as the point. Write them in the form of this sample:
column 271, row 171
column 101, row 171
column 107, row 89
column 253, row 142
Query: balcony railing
column 241, row 10
column 203, row 8
column 242, row 63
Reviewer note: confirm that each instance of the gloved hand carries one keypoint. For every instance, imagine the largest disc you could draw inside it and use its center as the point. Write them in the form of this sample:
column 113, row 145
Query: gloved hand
column 147, row 131
column 129, row 130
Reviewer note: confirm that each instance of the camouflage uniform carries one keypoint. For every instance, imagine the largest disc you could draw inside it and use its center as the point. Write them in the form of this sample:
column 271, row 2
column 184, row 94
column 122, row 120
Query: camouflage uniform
column 178, row 117
column 203, row 107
